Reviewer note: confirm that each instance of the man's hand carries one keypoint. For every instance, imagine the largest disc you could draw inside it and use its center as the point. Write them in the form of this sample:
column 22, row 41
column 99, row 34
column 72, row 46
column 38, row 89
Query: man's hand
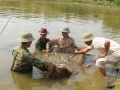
column 102, row 55
column 34, row 53
column 76, row 51
column 48, row 51
column 82, row 51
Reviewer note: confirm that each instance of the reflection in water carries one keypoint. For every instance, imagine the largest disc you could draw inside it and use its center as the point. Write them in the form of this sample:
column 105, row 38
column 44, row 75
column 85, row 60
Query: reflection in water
column 22, row 81
column 26, row 82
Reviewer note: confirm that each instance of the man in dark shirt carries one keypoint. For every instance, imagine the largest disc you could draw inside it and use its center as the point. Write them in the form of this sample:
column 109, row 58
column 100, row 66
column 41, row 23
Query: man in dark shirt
column 40, row 44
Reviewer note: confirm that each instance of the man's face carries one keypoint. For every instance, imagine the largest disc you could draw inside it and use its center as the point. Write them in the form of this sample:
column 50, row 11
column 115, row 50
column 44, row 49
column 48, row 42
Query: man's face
column 88, row 43
column 29, row 44
column 43, row 35
column 65, row 34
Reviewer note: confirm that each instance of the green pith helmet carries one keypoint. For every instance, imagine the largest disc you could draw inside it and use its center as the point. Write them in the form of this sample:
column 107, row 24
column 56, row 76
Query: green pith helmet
column 65, row 29
column 26, row 37
column 87, row 37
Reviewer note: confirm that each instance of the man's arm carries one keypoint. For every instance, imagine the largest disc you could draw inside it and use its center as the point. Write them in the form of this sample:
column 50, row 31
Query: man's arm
column 82, row 51
column 103, row 71
column 74, row 44
column 48, row 47
column 51, row 44
column 107, row 46
column 36, row 62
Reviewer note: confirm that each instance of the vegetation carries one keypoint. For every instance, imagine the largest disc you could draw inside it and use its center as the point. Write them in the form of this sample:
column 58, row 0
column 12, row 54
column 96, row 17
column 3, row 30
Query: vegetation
column 110, row 16
column 98, row 2
column 117, row 87
column 5, row 26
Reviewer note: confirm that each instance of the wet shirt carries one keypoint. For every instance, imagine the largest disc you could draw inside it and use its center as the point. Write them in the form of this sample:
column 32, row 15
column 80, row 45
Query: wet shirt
column 62, row 42
column 24, row 61
column 98, row 44
column 40, row 44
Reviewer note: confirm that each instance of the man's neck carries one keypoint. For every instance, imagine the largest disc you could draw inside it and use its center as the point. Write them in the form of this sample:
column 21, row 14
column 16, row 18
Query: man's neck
column 24, row 45
column 66, row 37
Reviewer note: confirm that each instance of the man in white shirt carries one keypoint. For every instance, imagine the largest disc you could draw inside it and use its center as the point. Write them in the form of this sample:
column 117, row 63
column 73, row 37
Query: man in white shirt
column 109, row 50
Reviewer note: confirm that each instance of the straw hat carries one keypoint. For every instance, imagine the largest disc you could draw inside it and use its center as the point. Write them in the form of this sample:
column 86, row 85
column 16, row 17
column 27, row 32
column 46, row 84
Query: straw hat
column 43, row 31
column 65, row 29
column 26, row 37
column 87, row 37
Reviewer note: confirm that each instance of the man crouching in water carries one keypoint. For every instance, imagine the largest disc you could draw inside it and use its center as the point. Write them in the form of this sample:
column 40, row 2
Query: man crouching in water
column 23, row 60
column 109, row 50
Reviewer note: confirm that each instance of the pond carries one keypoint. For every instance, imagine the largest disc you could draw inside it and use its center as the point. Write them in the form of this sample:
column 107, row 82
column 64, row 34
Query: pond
column 32, row 16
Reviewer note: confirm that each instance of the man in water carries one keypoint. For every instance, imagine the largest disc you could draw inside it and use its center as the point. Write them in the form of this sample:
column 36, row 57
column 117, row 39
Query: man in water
column 109, row 50
column 42, row 41
column 63, row 41
column 23, row 60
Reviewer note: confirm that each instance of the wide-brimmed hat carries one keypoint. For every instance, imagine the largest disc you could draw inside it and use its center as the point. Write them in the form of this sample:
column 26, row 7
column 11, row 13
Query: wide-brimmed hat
column 87, row 37
column 43, row 31
column 65, row 29
column 26, row 37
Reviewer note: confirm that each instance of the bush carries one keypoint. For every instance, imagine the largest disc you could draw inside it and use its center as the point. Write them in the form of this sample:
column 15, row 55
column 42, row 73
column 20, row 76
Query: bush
column 117, row 2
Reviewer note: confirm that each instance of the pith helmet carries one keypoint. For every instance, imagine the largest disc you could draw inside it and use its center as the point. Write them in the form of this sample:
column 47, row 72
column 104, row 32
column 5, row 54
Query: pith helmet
column 43, row 31
column 65, row 29
column 87, row 37
column 26, row 37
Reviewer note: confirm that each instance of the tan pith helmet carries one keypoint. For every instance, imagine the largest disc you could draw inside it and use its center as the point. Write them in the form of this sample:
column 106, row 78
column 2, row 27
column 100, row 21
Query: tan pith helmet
column 26, row 37
column 65, row 29
column 87, row 37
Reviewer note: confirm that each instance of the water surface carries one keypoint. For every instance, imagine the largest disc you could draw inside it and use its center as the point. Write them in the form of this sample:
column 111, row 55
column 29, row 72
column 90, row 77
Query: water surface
column 31, row 17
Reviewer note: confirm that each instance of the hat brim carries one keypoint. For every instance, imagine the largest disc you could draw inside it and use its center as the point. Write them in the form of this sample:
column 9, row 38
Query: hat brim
column 65, row 31
column 88, row 39
column 26, row 40
column 43, row 33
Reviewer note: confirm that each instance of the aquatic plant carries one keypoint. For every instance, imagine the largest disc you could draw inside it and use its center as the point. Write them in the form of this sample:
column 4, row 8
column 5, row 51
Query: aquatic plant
column 5, row 26
column 117, row 87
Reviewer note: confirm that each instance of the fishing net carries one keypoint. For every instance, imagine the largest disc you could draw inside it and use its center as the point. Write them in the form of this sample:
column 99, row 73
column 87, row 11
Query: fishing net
column 66, row 58
column 57, row 73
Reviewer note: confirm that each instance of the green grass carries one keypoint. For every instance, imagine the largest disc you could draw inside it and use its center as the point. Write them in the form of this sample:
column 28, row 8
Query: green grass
column 117, row 87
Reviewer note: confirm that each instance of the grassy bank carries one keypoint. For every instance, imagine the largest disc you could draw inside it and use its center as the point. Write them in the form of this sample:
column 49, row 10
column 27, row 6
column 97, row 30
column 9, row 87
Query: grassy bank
column 109, row 15
column 117, row 87
column 95, row 2
column 112, row 3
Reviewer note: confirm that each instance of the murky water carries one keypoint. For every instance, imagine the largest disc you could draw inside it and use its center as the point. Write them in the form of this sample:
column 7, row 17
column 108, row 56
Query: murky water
column 31, row 17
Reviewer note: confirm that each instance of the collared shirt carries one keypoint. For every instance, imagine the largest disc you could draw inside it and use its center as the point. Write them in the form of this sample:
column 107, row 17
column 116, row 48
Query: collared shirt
column 23, row 60
column 98, row 44
column 62, row 42
column 40, row 44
